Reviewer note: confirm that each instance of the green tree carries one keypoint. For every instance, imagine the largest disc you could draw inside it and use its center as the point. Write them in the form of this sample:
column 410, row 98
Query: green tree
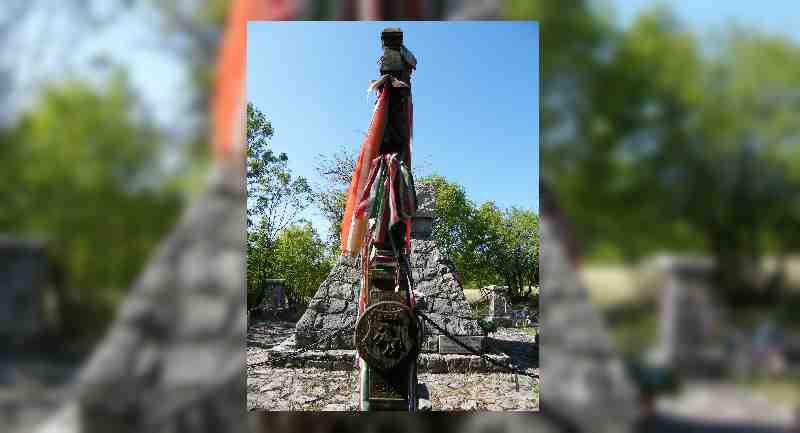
column 330, row 195
column 507, row 248
column 454, row 228
column 261, row 265
column 302, row 259
column 487, row 245
column 274, row 199
column 274, row 196
column 88, row 180
column 655, row 140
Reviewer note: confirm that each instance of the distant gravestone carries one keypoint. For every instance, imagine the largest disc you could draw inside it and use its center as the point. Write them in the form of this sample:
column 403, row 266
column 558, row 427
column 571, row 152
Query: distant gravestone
column 690, row 318
column 274, row 296
column 521, row 317
column 499, row 308
column 23, row 269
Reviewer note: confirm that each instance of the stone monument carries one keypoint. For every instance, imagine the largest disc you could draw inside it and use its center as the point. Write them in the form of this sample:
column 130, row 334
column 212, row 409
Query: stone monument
column 499, row 308
column 23, row 275
column 439, row 294
column 274, row 296
column 690, row 319
column 397, row 268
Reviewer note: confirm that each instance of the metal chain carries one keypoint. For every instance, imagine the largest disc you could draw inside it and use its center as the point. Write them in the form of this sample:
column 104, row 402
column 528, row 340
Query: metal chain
column 473, row 351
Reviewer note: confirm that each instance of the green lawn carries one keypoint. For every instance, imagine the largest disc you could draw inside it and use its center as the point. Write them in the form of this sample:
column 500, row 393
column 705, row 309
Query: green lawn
column 780, row 390
column 628, row 298
column 472, row 295
column 614, row 284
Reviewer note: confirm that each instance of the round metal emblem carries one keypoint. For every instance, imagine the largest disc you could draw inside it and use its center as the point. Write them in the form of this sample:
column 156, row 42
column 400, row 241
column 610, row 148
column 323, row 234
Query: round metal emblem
column 386, row 335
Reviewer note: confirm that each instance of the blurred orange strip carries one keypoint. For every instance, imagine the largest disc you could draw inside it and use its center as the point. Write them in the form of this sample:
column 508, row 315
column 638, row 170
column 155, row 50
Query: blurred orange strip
column 352, row 230
column 228, row 102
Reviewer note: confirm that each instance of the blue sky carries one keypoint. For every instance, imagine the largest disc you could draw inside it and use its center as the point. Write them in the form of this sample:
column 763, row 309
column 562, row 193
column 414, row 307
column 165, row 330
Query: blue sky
column 707, row 16
column 475, row 90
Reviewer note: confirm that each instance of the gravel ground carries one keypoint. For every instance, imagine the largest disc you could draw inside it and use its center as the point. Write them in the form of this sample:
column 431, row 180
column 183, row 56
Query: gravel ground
column 266, row 334
column 725, row 403
column 312, row 389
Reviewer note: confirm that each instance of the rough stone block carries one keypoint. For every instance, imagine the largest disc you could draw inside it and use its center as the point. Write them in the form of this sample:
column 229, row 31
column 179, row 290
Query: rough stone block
column 294, row 363
column 433, row 273
column 319, row 363
column 336, row 306
column 437, row 364
column 344, row 363
column 431, row 343
column 447, row 345
column 457, row 363
column 477, row 364
column 204, row 315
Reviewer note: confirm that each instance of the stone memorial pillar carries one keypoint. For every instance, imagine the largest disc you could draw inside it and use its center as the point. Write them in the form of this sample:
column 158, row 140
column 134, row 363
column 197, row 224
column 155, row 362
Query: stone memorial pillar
column 23, row 269
column 387, row 331
column 690, row 320
column 499, row 308
column 274, row 298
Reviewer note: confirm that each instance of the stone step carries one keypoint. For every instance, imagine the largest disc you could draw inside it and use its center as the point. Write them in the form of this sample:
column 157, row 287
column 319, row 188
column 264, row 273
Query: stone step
column 338, row 360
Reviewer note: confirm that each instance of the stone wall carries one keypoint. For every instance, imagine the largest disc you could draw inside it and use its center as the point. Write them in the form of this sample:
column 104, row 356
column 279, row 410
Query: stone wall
column 334, row 306
column 173, row 359
column 439, row 294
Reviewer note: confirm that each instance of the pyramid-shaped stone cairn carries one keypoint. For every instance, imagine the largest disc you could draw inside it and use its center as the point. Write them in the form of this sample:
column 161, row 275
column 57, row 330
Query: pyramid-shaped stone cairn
column 439, row 293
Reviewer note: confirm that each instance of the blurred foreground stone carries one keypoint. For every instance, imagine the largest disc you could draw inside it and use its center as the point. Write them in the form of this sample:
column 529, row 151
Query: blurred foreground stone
column 173, row 359
column 584, row 378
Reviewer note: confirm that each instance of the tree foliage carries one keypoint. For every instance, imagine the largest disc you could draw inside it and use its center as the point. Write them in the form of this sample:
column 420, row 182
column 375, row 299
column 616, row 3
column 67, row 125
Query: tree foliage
column 330, row 195
column 275, row 197
column 454, row 228
column 302, row 258
column 657, row 140
column 487, row 245
column 508, row 248
column 87, row 179
column 298, row 255
column 276, row 246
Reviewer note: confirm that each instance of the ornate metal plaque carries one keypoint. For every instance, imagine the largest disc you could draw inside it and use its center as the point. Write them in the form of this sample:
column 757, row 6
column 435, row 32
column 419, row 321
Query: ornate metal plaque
column 386, row 335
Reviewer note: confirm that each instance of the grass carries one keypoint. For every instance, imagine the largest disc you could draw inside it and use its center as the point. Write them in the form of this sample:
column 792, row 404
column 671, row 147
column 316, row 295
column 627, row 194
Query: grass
column 610, row 285
column 633, row 328
column 480, row 311
column 613, row 284
column 472, row 295
column 628, row 299
column 779, row 390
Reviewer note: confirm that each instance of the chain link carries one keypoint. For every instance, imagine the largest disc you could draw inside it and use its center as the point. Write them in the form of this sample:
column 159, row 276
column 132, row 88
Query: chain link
column 332, row 334
column 475, row 352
